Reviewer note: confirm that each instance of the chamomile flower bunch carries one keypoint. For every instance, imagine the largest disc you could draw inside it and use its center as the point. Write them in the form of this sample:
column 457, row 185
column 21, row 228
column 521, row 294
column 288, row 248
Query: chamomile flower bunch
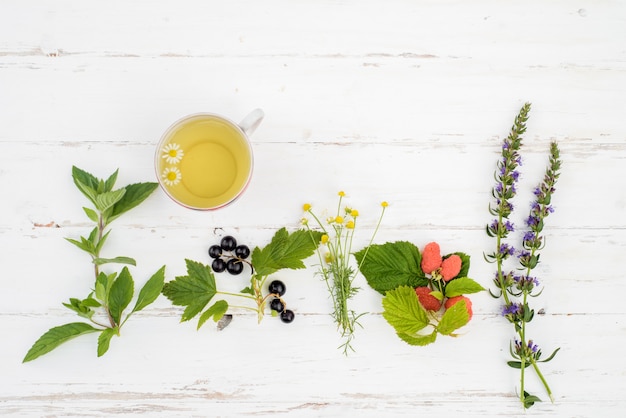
column 334, row 252
column 516, row 286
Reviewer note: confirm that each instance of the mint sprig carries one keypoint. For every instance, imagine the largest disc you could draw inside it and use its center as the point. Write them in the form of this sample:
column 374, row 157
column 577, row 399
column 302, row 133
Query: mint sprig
column 197, row 289
column 105, row 307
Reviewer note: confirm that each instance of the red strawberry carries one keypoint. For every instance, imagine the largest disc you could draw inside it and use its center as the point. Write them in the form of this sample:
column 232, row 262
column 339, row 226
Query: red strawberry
column 431, row 258
column 468, row 304
column 428, row 301
column 450, row 267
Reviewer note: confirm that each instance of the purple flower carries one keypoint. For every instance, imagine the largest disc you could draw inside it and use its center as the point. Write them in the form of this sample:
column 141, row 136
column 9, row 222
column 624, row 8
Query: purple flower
column 532, row 221
column 506, row 250
column 509, row 226
column 512, row 309
column 529, row 236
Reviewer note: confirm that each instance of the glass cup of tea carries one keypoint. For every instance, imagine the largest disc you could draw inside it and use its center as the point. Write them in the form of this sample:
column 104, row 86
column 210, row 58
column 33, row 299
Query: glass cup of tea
column 204, row 161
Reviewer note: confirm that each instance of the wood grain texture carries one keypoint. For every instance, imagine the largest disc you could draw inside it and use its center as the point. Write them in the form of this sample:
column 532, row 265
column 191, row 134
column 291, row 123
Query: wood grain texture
column 404, row 101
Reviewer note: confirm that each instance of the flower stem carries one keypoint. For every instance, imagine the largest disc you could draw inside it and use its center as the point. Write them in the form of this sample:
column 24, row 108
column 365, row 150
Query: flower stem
column 543, row 380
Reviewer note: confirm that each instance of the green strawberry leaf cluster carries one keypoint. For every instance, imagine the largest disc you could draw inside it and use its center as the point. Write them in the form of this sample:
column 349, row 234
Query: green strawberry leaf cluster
column 197, row 289
column 105, row 307
column 394, row 269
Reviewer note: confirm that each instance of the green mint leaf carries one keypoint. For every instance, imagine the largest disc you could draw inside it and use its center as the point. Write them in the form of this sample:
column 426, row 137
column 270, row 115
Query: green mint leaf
column 91, row 302
column 390, row 265
column 193, row 291
column 101, row 286
column 77, row 306
column 151, row 290
column 93, row 236
column 102, row 240
column 420, row 340
column 84, row 177
column 119, row 260
column 403, row 311
column 217, row 311
column 285, row 251
column 106, row 200
column 55, row 337
column 86, row 183
column 110, row 182
column 104, row 339
column 83, row 244
column 135, row 194
column 462, row 286
column 91, row 214
column 454, row 318
column 120, row 295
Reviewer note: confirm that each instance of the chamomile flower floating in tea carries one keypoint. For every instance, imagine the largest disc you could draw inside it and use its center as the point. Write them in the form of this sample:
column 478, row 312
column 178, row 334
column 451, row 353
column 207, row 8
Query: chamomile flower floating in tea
column 172, row 153
column 171, row 176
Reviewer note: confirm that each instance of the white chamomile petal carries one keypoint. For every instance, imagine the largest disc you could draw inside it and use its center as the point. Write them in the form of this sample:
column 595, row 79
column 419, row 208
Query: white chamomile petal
column 172, row 153
column 171, row 176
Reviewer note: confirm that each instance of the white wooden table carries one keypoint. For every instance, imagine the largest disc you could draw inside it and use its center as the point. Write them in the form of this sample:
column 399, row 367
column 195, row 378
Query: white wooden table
column 404, row 101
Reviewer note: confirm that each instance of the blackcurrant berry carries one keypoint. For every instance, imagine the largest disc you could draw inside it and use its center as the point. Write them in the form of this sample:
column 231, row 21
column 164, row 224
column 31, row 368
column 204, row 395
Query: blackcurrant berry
column 242, row 251
column 277, row 305
column 277, row 287
column 218, row 265
column 228, row 243
column 287, row 316
column 234, row 266
column 215, row 251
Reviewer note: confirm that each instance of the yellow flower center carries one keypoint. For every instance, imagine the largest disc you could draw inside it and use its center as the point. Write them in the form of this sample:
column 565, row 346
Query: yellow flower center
column 171, row 176
column 172, row 153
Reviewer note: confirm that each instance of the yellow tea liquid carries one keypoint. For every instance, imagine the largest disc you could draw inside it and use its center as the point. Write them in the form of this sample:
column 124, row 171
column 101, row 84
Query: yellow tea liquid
column 204, row 162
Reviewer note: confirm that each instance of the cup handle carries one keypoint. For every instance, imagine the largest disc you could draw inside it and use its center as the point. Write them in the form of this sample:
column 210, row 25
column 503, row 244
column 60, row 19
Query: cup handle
column 249, row 124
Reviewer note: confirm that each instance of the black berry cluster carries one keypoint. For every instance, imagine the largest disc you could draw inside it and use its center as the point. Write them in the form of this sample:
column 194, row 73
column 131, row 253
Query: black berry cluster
column 228, row 256
column 278, row 289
